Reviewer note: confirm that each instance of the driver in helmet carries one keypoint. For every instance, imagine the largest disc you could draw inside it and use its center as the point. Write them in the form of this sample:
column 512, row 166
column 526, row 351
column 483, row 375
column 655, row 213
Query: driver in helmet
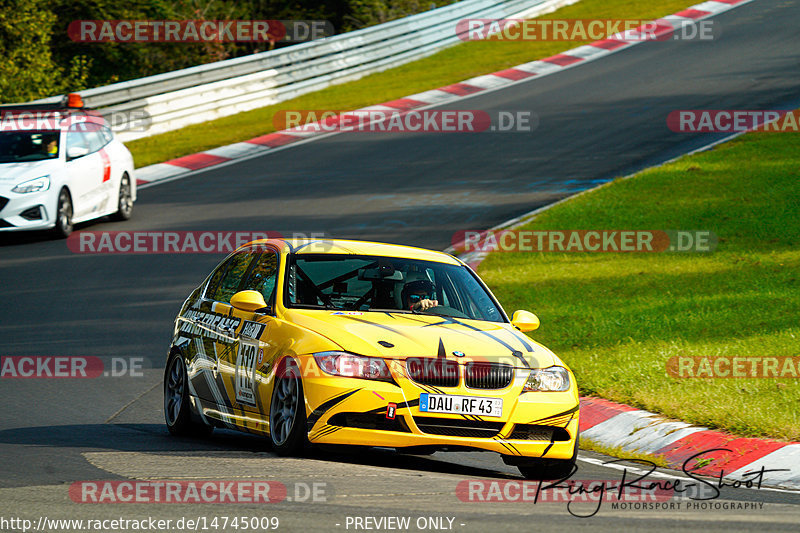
column 418, row 295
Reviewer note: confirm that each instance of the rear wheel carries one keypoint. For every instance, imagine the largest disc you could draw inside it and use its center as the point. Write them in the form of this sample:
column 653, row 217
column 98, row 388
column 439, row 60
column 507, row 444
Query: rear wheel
column 124, row 200
column 64, row 211
column 177, row 412
column 287, row 412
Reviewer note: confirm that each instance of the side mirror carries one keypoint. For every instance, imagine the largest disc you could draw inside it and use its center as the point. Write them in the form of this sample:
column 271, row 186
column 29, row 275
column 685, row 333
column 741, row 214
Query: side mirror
column 250, row 301
column 525, row 321
column 77, row 151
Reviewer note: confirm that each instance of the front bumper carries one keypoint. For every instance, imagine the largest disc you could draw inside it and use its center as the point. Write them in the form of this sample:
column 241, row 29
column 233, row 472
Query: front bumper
column 18, row 212
column 354, row 411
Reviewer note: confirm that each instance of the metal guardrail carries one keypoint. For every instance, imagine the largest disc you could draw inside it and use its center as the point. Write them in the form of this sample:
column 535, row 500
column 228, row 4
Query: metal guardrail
column 189, row 96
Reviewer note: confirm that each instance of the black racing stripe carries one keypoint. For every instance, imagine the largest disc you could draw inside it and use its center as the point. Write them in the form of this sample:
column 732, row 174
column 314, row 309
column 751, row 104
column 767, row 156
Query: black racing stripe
column 219, row 381
column 403, row 405
column 524, row 340
column 326, row 406
column 513, row 350
column 201, row 388
column 387, row 328
column 513, row 448
column 325, row 431
column 567, row 412
column 548, row 448
column 504, row 445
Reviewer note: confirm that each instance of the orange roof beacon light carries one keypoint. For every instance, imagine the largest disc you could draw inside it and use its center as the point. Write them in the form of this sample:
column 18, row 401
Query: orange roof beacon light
column 74, row 100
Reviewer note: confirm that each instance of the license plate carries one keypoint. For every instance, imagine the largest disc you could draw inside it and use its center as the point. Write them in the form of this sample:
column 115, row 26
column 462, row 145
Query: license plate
column 460, row 405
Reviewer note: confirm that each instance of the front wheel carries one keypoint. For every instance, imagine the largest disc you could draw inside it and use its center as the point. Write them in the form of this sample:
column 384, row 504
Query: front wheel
column 124, row 200
column 177, row 413
column 64, row 211
column 287, row 412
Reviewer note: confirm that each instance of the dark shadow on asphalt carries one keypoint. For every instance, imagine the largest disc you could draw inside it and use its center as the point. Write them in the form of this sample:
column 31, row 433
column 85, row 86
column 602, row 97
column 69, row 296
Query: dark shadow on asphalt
column 155, row 438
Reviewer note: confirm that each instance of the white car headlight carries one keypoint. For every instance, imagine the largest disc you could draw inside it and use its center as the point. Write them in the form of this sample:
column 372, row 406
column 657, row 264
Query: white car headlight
column 34, row 185
column 353, row 366
column 553, row 379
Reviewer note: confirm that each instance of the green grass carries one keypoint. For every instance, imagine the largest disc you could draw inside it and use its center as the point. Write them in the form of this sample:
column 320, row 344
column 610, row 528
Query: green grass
column 451, row 65
column 622, row 453
column 617, row 318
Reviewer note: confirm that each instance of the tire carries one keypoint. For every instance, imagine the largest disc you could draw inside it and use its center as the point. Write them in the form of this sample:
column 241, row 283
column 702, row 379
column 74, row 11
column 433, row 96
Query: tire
column 124, row 200
column 550, row 469
column 177, row 413
column 287, row 412
column 64, row 212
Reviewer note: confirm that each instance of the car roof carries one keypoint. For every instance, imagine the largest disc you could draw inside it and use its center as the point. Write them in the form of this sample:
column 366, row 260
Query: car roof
column 353, row 247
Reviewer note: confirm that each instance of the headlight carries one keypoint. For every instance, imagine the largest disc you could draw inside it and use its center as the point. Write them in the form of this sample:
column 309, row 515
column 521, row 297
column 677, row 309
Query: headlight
column 553, row 379
column 34, row 185
column 353, row 366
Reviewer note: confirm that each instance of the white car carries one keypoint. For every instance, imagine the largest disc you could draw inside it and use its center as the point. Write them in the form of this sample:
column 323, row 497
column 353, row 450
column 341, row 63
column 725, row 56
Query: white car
column 59, row 166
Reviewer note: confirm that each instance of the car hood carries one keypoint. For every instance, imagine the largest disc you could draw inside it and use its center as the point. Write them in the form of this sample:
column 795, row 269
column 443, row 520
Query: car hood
column 402, row 335
column 13, row 173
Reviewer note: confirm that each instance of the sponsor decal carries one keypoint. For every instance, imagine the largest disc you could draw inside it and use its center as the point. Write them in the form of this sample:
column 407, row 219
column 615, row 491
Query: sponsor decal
column 246, row 372
column 391, row 411
column 209, row 325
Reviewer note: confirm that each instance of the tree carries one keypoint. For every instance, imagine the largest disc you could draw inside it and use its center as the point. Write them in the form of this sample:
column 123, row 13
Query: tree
column 27, row 68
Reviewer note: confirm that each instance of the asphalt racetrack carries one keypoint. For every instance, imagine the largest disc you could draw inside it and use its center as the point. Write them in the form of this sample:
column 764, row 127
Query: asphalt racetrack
column 597, row 121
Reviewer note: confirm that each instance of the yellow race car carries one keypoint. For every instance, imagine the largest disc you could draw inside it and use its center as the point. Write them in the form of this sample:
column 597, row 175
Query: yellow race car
column 349, row 342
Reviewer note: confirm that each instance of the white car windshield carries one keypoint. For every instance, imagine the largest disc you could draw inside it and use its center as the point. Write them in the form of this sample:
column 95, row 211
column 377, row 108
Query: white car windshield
column 23, row 146
column 365, row 283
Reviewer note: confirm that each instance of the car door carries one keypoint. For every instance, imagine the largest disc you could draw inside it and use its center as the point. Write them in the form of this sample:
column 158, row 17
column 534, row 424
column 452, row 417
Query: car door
column 254, row 350
column 85, row 172
column 211, row 318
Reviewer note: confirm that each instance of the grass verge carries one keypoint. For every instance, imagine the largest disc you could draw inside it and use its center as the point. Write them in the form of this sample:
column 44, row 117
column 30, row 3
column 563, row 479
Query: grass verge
column 451, row 65
column 620, row 452
column 616, row 318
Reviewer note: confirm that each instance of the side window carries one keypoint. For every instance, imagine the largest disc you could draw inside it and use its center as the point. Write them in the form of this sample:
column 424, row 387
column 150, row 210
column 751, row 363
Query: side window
column 107, row 135
column 76, row 137
column 263, row 276
column 95, row 139
column 226, row 280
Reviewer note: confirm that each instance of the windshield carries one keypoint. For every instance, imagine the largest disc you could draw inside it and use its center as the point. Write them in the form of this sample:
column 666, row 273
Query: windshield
column 364, row 283
column 22, row 146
